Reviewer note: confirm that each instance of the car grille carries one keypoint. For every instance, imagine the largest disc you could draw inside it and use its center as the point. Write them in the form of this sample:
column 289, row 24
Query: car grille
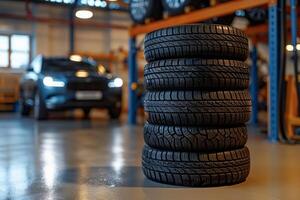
column 87, row 85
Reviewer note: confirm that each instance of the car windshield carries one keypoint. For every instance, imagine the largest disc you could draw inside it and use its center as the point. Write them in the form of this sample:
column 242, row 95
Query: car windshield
column 65, row 65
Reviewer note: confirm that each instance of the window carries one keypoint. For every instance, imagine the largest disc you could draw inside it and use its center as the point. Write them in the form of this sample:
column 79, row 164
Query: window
column 4, row 46
column 14, row 50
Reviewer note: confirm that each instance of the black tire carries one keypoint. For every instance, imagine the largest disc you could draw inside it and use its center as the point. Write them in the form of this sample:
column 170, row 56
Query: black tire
column 257, row 15
column 40, row 110
column 196, row 169
column 174, row 7
column 198, row 41
column 196, row 74
column 203, row 139
column 86, row 113
column 24, row 109
column 195, row 108
column 141, row 10
column 114, row 112
column 224, row 20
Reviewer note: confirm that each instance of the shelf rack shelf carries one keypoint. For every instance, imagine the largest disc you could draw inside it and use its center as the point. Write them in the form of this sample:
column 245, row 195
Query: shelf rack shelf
column 222, row 9
column 199, row 15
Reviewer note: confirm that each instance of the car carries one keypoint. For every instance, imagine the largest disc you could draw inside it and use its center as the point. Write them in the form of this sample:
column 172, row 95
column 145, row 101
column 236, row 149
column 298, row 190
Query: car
column 59, row 83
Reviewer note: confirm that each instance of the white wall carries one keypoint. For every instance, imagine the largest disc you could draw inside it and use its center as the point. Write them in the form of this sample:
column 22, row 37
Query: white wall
column 53, row 39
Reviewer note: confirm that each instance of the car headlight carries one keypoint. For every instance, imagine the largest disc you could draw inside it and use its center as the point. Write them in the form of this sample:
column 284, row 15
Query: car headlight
column 50, row 82
column 117, row 82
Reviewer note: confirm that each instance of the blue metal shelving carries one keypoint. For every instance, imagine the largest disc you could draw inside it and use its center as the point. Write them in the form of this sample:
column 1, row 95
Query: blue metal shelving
column 254, row 86
column 133, row 77
column 273, row 74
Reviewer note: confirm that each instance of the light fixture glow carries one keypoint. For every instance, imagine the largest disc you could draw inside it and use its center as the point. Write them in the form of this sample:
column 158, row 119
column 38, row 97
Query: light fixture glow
column 50, row 82
column 84, row 14
column 289, row 47
column 117, row 82
column 76, row 58
column 82, row 74
column 101, row 69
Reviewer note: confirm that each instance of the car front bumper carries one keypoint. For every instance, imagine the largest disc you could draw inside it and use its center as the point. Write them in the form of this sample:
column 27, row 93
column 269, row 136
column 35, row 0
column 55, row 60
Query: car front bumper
column 63, row 100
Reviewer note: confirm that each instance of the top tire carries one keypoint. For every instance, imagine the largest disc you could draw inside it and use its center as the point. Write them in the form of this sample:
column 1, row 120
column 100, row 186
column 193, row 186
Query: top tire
column 198, row 41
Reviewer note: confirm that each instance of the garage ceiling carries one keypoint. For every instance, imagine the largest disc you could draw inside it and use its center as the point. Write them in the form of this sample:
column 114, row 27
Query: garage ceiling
column 121, row 5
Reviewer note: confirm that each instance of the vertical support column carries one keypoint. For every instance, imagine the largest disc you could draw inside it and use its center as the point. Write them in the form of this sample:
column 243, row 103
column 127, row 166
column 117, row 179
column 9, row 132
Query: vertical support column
column 133, row 73
column 294, row 30
column 254, row 86
column 294, row 24
column 33, row 35
column 273, row 74
column 72, row 34
column 72, row 27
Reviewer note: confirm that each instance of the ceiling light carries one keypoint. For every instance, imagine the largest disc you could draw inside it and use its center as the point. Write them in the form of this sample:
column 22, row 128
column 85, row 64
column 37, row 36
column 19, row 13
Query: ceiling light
column 84, row 14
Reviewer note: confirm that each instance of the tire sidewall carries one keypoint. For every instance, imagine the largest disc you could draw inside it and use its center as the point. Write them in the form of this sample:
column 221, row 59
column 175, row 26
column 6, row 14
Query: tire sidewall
column 148, row 14
column 39, row 108
column 175, row 11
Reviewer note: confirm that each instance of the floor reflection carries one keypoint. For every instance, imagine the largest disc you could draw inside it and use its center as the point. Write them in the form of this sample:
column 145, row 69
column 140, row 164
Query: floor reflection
column 43, row 157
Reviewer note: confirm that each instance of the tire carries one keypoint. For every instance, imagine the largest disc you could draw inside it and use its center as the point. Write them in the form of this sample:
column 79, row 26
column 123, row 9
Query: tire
column 174, row 7
column 203, row 139
column 224, row 20
column 115, row 112
column 196, row 108
column 257, row 15
column 196, row 74
column 141, row 10
column 196, row 169
column 40, row 110
column 198, row 41
column 24, row 109
column 86, row 113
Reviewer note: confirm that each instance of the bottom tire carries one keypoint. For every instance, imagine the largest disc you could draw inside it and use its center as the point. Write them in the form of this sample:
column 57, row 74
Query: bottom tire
column 196, row 169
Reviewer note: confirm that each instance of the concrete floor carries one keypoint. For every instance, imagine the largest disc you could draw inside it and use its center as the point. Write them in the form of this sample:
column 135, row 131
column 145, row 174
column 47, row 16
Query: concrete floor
column 98, row 159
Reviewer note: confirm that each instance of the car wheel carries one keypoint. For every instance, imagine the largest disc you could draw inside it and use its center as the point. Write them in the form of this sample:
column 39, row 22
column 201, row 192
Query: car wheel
column 24, row 109
column 40, row 111
column 114, row 112
column 86, row 112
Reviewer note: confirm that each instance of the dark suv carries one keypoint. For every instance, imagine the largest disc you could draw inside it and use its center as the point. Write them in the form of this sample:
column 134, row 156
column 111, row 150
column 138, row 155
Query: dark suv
column 66, row 83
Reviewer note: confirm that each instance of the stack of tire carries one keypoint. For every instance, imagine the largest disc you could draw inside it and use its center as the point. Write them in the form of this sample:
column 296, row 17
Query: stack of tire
column 197, row 105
